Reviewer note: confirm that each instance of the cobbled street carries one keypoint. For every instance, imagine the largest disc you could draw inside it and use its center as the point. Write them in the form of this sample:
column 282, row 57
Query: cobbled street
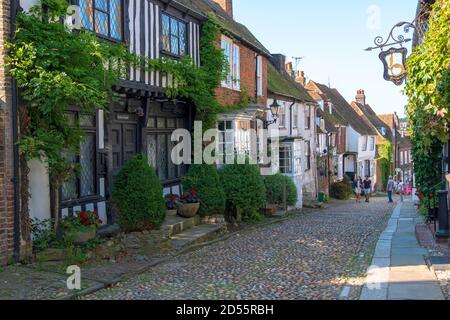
column 311, row 256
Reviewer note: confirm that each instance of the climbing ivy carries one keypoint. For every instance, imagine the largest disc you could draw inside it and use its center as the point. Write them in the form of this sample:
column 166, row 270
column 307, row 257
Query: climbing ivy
column 427, row 90
column 385, row 152
column 57, row 68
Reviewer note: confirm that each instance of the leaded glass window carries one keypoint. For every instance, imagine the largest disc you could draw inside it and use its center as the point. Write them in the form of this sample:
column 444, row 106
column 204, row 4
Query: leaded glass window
column 286, row 157
column 103, row 17
column 83, row 183
column 159, row 154
column 173, row 35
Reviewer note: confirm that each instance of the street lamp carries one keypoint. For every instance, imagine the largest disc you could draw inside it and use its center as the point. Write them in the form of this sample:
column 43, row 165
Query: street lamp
column 274, row 110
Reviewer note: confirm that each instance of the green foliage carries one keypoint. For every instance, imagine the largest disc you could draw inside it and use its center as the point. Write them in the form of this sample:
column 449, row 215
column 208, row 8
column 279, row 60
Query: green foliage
column 385, row 157
column 205, row 179
column 341, row 190
column 138, row 196
column 428, row 91
column 56, row 68
column 275, row 189
column 244, row 187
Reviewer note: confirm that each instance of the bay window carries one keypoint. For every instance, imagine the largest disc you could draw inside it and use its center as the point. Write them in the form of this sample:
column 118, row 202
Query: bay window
column 286, row 159
column 104, row 17
column 308, row 155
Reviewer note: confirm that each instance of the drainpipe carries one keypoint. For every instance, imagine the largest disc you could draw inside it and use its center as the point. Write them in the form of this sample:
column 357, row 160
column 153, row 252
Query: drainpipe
column 15, row 133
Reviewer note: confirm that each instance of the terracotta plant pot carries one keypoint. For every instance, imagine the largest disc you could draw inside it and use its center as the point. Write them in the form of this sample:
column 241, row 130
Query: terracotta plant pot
column 80, row 237
column 188, row 210
column 172, row 213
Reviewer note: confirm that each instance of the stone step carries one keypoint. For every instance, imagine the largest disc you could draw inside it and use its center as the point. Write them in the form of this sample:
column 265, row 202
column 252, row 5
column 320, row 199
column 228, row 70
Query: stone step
column 198, row 234
column 177, row 225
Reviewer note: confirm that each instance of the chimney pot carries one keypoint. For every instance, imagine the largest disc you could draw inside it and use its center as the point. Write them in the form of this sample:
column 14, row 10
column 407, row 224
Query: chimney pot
column 300, row 77
column 361, row 97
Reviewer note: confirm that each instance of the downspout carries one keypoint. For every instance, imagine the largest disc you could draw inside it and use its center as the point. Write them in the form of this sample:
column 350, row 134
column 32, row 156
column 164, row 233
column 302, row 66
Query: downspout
column 15, row 179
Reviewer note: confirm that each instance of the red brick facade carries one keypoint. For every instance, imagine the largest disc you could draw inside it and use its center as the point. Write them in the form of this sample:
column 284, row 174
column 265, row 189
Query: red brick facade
column 6, row 150
column 248, row 79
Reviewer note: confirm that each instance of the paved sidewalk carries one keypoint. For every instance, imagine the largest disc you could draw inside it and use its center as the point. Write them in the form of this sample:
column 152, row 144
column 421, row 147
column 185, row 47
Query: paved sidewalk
column 398, row 270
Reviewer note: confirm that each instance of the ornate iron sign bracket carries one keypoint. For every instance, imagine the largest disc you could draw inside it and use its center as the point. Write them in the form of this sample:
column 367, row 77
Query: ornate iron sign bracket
column 394, row 57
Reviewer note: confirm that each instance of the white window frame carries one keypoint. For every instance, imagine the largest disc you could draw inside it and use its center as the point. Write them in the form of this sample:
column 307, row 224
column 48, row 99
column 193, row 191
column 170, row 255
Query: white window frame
column 259, row 76
column 364, row 143
column 232, row 53
column 226, row 138
column 288, row 149
column 372, row 143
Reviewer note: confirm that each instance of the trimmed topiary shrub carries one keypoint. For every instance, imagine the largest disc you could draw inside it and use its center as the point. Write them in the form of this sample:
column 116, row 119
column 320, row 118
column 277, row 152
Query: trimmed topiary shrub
column 275, row 188
column 205, row 179
column 341, row 190
column 138, row 196
column 244, row 187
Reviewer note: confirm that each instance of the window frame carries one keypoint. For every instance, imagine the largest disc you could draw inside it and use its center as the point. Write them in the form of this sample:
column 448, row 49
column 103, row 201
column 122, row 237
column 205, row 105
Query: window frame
column 287, row 150
column 88, row 131
column 364, row 143
column 233, row 80
column 259, row 76
column 222, row 144
column 186, row 35
column 308, row 118
column 308, row 155
column 120, row 14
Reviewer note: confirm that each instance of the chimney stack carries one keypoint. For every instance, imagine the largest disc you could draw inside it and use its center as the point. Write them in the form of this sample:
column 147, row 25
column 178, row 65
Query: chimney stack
column 279, row 61
column 290, row 69
column 226, row 5
column 361, row 97
column 300, row 77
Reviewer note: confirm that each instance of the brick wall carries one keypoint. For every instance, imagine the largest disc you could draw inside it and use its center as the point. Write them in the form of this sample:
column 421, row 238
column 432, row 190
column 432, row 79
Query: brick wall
column 248, row 80
column 6, row 168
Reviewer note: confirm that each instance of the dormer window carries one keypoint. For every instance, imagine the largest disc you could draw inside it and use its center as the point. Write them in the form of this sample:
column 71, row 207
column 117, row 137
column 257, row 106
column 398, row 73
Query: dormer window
column 382, row 131
column 173, row 36
column 104, row 17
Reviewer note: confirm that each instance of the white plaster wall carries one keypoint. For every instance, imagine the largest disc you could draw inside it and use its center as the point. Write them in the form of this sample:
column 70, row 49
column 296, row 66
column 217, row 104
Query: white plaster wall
column 39, row 190
column 352, row 143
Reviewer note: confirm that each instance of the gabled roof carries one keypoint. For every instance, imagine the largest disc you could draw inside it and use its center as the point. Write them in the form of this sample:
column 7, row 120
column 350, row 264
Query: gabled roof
column 342, row 108
column 376, row 122
column 226, row 22
column 279, row 83
column 331, row 123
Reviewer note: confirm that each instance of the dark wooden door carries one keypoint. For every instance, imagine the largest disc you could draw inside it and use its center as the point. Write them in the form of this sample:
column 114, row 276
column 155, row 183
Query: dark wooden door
column 124, row 145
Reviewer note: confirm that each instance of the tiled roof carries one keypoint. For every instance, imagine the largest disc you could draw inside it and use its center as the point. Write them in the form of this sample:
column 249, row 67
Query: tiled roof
column 237, row 29
column 342, row 108
column 331, row 123
column 376, row 122
column 280, row 83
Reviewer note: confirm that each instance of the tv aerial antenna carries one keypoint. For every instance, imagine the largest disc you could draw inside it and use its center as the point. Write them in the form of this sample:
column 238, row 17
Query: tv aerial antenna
column 297, row 61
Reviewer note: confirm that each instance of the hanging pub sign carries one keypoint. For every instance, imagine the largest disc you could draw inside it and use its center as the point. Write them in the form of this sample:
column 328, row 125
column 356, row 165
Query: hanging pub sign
column 394, row 61
column 394, row 58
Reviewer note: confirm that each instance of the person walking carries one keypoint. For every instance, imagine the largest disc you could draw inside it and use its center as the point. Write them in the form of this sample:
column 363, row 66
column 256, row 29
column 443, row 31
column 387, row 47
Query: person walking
column 357, row 188
column 367, row 185
column 390, row 189
column 401, row 190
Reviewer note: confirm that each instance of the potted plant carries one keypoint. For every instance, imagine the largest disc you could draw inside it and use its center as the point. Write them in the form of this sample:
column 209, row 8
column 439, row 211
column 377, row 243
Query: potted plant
column 172, row 203
column 190, row 204
column 82, row 227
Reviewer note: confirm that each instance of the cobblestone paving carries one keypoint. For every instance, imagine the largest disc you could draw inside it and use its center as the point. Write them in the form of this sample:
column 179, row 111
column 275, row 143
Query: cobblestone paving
column 307, row 257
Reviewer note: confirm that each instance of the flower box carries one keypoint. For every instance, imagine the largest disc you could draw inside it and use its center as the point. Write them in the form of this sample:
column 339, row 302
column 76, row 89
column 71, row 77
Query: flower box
column 80, row 237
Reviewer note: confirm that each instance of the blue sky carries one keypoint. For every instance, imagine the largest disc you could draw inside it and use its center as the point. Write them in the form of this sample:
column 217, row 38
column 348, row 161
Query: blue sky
column 331, row 35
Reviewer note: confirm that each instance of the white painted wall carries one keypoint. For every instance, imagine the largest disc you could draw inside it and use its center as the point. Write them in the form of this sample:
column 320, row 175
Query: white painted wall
column 352, row 143
column 39, row 190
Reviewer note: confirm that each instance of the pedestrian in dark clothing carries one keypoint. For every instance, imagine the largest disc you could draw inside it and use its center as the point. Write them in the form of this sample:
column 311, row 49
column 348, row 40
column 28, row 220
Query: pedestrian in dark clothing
column 367, row 184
